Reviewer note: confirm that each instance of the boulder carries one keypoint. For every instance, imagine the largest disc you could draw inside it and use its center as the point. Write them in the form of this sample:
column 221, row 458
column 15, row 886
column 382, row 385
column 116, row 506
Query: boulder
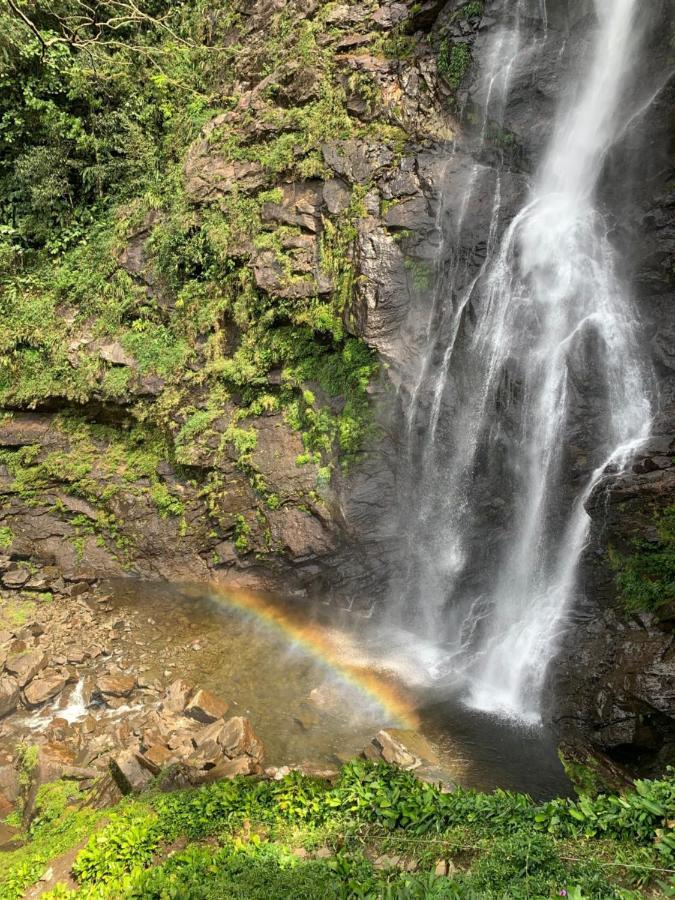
column 206, row 707
column 45, row 688
column 223, row 741
column 157, row 757
column 38, row 582
column 10, row 786
column 114, row 685
column 231, row 768
column 130, row 771
column 385, row 746
column 15, row 578
column 237, row 738
column 25, row 666
column 77, row 655
column 592, row 772
column 177, row 696
column 208, row 737
column 104, row 793
column 115, row 354
column 9, row 694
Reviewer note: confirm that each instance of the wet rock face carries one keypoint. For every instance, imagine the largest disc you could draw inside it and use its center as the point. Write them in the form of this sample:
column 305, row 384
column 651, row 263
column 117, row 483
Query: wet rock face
column 614, row 678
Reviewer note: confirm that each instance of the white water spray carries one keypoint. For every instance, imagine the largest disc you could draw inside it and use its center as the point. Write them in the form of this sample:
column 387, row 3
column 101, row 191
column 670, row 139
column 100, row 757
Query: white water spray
column 550, row 311
column 554, row 284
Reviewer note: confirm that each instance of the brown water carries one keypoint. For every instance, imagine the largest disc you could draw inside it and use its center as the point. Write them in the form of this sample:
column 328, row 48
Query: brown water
column 267, row 658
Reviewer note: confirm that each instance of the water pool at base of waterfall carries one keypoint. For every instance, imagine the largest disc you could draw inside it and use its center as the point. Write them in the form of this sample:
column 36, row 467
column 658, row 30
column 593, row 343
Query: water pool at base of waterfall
column 315, row 688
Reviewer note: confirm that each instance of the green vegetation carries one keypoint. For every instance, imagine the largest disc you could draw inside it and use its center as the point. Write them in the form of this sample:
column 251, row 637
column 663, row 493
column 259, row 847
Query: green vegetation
column 302, row 837
column 454, row 61
column 646, row 578
column 122, row 285
column 97, row 112
column 16, row 611
column 57, row 826
column 469, row 10
column 100, row 461
column 6, row 537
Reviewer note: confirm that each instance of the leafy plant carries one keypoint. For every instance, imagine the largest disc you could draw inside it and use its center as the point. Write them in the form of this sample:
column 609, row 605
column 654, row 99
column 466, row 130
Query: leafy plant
column 454, row 61
column 6, row 537
column 646, row 578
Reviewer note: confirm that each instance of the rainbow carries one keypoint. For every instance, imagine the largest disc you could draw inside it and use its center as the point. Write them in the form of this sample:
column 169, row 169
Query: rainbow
column 376, row 687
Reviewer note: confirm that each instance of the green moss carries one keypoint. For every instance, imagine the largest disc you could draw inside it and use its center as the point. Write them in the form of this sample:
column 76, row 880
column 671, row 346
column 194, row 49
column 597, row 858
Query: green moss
column 14, row 613
column 6, row 537
column 646, row 578
column 116, row 383
column 156, row 349
column 583, row 776
column 242, row 530
column 166, row 502
column 243, row 440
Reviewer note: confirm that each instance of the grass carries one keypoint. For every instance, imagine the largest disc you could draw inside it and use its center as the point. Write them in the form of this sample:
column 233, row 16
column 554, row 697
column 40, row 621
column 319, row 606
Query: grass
column 376, row 832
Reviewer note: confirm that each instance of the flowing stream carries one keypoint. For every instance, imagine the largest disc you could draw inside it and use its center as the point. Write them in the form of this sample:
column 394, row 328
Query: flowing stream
column 532, row 363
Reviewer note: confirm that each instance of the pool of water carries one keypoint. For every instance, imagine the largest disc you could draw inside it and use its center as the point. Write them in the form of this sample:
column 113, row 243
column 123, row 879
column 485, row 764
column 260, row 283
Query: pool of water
column 318, row 688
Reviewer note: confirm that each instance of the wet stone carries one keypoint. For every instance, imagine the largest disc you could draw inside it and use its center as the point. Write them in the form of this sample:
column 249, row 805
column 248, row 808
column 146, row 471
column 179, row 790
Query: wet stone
column 385, row 746
column 130, row 772
column 206, row 707
column 177, row 696
column 25, row 666
column 15, row 578
column 115, row 685
column 42, row 689
column 9, row 694
column 158, row 757
column 231, row 768
column 237, row 738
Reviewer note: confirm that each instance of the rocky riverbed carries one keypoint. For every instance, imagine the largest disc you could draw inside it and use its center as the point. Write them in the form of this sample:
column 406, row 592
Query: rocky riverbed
column 111, row 700
column 112, row 684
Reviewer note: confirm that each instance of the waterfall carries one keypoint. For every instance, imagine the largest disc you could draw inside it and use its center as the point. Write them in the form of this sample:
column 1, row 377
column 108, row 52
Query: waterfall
column 531, row 386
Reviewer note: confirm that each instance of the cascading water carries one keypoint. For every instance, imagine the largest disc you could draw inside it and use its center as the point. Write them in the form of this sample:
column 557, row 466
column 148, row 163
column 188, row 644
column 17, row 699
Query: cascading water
column 503, row 393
